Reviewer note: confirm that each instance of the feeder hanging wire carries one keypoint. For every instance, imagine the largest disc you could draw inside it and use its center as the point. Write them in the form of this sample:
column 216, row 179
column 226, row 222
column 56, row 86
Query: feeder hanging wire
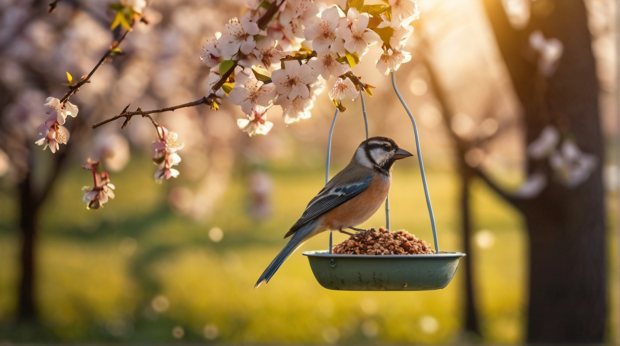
column 420, row 162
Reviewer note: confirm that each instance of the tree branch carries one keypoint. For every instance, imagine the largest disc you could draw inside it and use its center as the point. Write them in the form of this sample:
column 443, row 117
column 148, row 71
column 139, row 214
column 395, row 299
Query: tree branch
column 210, row 99
column 111, row 51
column 515, row 201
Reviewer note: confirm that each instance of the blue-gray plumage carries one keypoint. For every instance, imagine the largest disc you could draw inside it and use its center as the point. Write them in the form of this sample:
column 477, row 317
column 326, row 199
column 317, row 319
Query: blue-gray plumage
column 348, row 199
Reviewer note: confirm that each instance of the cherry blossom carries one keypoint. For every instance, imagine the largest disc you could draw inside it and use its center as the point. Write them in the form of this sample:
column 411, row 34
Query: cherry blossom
column 256, row 122
column 391, row 59
column 571, row 165
column 238, row 36
column 102, row 190
column 322, row 32
column 343, row 89
column 354, row 30
column 267, row 52
column 211, row 54
column 51, row 134
column 549, row 52
column 292, row 81
column 404, row 9
column 250, row 92
column 545, row 144
column 136, row 5
column 327, row 65
column 165, row 154
column 60, row 111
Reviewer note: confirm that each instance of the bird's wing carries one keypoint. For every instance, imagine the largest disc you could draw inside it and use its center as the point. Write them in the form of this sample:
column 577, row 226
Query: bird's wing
column 340, row 189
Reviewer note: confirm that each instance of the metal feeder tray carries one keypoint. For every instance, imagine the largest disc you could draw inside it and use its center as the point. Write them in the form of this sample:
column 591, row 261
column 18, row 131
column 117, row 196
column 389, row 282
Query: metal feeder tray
column 383, row 272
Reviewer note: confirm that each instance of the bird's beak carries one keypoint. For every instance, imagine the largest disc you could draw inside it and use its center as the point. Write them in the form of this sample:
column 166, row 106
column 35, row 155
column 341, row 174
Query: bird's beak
column 401, row 154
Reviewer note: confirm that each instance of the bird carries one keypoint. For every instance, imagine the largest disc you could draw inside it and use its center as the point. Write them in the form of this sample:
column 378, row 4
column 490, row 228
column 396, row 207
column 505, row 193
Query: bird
column 351, row 197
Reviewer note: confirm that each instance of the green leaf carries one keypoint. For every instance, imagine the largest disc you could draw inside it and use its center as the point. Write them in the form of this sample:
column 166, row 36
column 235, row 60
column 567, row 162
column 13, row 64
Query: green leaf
column 356, row 4
column 261, row 74
column 226, row 65
column 339, row 105
column 385, row 34
column 227, row 87
column 120, row 18
column 352, row 59
column 265, row 4
column 69, row 78
column 376, row 9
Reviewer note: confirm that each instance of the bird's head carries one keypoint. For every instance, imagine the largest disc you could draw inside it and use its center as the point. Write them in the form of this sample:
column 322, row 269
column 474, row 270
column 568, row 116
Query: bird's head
column 379, row 153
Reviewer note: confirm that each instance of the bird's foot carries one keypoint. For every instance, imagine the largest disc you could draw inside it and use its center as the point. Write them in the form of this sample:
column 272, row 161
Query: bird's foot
column 358, row 229
column 345, row 232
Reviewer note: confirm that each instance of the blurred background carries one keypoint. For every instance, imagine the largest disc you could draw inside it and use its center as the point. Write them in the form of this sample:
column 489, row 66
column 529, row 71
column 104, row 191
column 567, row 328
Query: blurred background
column 178, row 261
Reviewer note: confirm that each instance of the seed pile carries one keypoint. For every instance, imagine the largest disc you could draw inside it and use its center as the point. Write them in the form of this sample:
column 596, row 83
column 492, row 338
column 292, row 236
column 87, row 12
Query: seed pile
column 382, row 242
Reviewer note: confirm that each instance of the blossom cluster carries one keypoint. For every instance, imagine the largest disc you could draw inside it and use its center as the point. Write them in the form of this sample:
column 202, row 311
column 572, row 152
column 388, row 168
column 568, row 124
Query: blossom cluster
column 102, row 190
column 571, row 166
column 165, row 154
column 52, row 133
column 288, row 61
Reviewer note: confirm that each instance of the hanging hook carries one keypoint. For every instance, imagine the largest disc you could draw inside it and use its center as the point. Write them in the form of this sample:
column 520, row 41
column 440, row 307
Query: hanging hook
column 327, row 163
column 420, row 162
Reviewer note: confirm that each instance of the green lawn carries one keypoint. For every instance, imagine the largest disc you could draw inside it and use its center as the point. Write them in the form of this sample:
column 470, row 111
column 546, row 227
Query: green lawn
column 136, row 271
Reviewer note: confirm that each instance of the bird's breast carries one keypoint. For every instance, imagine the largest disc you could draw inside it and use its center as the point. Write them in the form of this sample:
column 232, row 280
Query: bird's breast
column 361, row 207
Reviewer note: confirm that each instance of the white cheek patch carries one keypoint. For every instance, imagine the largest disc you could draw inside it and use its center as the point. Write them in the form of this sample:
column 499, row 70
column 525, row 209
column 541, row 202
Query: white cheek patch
column 362, row 159
column 379, row 156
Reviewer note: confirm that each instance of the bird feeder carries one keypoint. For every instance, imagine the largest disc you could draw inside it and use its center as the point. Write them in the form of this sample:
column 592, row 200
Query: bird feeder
column 385, row 272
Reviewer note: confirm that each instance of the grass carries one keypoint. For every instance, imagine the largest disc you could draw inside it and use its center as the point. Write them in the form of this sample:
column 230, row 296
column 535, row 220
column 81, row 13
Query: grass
column 137, row 272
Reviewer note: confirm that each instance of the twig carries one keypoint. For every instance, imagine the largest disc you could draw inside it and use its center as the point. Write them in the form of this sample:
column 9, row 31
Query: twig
column 205, row 100
column 52, row 5
column 112, row 50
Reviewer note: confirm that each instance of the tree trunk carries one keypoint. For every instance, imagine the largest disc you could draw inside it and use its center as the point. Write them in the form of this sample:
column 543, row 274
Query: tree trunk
column 566, row 226
column 469, row 306
column 28, row 224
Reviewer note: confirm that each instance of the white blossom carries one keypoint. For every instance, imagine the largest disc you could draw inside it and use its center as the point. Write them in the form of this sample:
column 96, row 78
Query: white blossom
column 401, row 31
column 296, row 110
column 343, row 89
column 404, row 9
column 112, row 149
column 60, row 111
column 136, row 5
column 354, row 30
column 532, row 187
column 211, row 54
column 327, row 65
column 51, row 134
column 255, row 123
column 267, row 52
column 238, row 36
column 295, row 14
column 549, row 52
column 322, row 32
column 102, row 190
column 250, row 92
column 165, row 154
column 391, row 60
column 545, row 144
column 294, row 79
column 571, row 165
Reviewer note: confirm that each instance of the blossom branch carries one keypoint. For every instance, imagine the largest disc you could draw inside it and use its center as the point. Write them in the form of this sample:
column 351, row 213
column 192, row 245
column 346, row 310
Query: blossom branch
column 211, row 99
column 110, row 52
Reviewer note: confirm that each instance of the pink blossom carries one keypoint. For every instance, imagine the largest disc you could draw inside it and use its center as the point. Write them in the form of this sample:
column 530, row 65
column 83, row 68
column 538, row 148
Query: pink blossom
column 294, row 79
column 343, row 89
column 322, row 32
column 102, row 190
column 256, row 122
column 165, row 154
column 250, row 92
column 354, row 30
column 51, row 134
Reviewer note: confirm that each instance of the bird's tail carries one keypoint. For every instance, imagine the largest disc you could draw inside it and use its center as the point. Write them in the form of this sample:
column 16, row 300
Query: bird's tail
column 298, row 238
